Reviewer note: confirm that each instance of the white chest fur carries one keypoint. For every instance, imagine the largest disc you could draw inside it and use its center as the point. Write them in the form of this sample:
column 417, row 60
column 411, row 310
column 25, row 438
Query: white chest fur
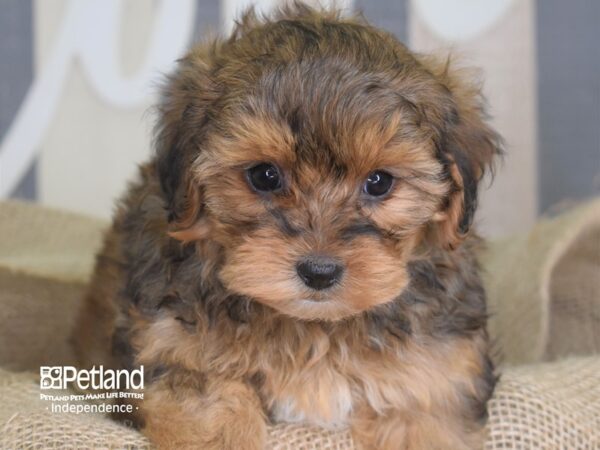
column 319, row 396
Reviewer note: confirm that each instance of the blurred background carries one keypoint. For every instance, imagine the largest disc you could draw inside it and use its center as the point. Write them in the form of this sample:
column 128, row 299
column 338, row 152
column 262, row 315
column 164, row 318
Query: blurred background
column 78, row 78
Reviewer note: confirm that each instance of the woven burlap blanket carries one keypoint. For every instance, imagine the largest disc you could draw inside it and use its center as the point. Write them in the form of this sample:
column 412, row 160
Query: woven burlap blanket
column 544, row 290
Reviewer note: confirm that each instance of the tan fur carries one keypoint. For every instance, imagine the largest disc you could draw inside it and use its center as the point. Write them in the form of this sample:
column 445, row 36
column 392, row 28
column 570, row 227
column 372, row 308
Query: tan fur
column 229, row 416
column 332, row 378
column 198, row 277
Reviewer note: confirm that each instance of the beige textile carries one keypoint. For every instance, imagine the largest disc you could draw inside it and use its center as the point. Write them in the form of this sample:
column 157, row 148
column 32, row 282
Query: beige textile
column 542, row 406
column 49, row 243
column 542, row 287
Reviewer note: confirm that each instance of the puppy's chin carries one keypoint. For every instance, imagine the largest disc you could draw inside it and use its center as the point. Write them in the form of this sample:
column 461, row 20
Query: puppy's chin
column 308, row 309
column 335, row 304
column 330, row 306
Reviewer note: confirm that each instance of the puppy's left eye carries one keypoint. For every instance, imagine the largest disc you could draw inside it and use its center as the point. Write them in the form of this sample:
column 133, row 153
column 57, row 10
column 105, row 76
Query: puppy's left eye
column 378, row 183
column 264, row 177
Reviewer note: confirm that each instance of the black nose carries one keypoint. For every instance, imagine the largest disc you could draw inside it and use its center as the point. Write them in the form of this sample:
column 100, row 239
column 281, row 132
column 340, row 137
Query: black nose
column 319, row 272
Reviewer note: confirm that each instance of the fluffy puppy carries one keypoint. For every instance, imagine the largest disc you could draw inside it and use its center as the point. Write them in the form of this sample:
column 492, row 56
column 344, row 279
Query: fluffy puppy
column 299, row 248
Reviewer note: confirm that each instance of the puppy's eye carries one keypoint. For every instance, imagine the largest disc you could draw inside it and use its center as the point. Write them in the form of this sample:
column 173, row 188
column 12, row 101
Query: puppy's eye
column 378, row 183
column 264, row 177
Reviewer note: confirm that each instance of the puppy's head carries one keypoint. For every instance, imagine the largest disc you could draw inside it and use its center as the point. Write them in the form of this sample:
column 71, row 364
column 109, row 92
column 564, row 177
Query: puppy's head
column 318, row 154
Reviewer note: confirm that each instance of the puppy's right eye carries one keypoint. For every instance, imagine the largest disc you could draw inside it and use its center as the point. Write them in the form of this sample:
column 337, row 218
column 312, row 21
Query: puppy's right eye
column 264, row 177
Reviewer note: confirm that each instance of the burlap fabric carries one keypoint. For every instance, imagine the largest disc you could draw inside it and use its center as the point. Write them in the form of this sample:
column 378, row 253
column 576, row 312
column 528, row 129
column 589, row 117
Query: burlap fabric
column 543, row 290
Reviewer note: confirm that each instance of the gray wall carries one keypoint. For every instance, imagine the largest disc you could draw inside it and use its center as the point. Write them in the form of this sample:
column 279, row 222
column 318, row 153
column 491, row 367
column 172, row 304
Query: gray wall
column 16, row 72
column 568, row 99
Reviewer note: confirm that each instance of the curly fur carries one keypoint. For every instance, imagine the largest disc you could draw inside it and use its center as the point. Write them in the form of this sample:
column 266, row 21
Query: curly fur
column 196, row 279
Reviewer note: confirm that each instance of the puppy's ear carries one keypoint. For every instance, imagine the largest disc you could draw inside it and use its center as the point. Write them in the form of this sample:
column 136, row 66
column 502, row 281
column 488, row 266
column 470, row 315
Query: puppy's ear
column 467, row 147
column 179, row 135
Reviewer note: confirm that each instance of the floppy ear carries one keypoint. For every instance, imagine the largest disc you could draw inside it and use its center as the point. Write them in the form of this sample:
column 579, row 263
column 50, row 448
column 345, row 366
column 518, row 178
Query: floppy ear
column 467, row 148
column 179, row 133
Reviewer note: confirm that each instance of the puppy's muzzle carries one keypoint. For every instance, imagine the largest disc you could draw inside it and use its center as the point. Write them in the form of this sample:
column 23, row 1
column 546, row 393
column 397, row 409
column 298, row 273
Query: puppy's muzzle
column 319, row 272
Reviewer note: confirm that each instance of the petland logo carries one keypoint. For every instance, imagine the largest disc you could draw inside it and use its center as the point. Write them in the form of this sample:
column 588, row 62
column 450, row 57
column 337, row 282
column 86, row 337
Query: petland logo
column 63, row 377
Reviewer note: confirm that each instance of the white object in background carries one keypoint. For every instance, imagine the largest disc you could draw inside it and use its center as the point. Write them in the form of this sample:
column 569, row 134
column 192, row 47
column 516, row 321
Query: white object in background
column 89, row 31
column 232, row 9
column 460, row 20
column 99, row 49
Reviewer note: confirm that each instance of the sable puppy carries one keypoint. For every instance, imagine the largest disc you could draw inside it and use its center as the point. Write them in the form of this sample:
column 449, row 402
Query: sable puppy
column 299, row 248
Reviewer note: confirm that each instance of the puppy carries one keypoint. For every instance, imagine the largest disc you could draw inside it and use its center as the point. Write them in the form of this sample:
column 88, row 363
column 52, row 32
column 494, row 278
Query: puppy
column 299, row 248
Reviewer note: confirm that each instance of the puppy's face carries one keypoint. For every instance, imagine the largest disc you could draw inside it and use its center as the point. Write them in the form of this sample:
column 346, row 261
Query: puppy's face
column 313, row 227
column 319, row 178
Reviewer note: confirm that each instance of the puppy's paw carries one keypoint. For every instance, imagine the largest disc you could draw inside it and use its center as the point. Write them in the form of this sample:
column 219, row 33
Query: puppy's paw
column 416, row 431
column 227, row 416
